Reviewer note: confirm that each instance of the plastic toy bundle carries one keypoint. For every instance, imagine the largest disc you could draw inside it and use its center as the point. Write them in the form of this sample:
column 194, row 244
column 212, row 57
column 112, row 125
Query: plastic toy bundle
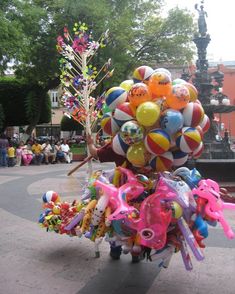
column 166, row 213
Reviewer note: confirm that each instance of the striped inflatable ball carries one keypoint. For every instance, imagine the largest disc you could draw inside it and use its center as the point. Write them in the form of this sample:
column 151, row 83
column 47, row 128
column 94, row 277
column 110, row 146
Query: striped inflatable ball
column 198, row 151
column 51, row 196
column 119, row 146
column 142, row 74
column 193, row 114
column 123, row 113
column 157, row 141
column 108, row 124
column 188, row 139
column 115, row 96
column 162, row 162
column 179, row 158
column 205, row 124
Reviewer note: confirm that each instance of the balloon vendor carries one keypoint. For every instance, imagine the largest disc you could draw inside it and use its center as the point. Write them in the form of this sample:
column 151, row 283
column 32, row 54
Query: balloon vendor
column 151, row 205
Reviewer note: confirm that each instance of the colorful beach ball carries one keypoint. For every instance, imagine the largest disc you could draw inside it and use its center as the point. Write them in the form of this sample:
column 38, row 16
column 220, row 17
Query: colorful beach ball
column 148, row 113
column 160, row 84
column 108, row 124
column 188, row 139
column 205, row 124
column 193, row 93
column 198, row 151
column 162, row 162
column 157, row 141
column 162, row 69
column 179, row 97
column 171, row 121
column 137, row 154
column 138, row 94
column 131, row 132
column 193, row 114
column 127, row 84
column 119, row 146
column 115, row 96
column 142, row 74
column 179, row 158
column 51, row 196
column 124, row 112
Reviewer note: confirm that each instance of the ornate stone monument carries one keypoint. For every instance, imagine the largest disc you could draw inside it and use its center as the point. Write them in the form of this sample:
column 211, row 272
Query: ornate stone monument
column 210, row 86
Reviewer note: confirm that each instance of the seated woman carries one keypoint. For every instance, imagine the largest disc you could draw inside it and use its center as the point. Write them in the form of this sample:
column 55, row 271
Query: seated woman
column 59, row 153
column 27, row 154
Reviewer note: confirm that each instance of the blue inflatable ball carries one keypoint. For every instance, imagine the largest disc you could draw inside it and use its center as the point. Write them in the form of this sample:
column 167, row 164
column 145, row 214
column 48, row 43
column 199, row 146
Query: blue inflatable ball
column 115, row 96
column 179, row 158
column 171, row 121
column 119, row 146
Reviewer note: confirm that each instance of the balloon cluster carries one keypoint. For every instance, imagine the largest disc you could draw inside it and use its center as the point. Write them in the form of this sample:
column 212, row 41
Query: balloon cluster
column 155, row 121
column 161, row 215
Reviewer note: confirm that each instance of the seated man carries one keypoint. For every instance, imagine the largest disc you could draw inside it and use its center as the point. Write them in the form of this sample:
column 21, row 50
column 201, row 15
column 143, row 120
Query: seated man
column 66, row 150
column 59, row 153
column 37, row 151
column 48, row 152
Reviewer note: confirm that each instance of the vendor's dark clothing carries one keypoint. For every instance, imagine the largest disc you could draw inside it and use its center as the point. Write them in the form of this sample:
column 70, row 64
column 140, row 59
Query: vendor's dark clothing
column 106, row 154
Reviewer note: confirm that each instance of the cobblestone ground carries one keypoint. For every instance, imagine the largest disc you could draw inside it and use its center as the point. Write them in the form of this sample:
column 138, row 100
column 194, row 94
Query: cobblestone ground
column 34, row 262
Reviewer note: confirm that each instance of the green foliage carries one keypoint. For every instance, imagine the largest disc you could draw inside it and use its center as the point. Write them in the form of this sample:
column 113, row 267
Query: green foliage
column 23, row 103
column 68, row 124
column 2, row 118
column 138, row 35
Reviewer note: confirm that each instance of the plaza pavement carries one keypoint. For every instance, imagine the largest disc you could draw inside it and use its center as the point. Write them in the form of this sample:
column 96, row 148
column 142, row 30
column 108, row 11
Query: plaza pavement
column 35, row 262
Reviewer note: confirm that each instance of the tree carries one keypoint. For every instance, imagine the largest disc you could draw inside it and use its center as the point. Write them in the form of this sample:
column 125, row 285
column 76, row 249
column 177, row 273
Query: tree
column 70, row 125
column 23, row 103
column 138, row 34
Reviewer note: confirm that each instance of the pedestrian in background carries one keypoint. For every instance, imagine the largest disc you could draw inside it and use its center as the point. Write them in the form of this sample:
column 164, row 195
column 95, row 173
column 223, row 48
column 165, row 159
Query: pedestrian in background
column 11, row 155
column 4, row 144
column 48, row 152
column 18, row 155
column 37, row 153
column 66, row 150
column 27, row 154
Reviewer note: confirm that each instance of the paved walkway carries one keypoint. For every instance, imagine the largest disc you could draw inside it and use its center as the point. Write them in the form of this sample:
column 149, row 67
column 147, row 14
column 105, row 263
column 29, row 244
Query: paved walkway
column 34, row 262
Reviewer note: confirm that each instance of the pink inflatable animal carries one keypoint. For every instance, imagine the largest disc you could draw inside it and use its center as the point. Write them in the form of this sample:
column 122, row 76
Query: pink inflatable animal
column 209, row 190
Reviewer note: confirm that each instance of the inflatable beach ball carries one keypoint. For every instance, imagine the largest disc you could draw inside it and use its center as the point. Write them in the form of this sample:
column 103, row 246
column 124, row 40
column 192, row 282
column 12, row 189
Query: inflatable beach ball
column 147, row 113
column 198, row 151
column 51, row 196
column 142, row 74
column 115, row 96
column 193, row 114
column 160, row 84
column 123, row 113
column 179, row 158
column 137, row 154
column 171, row 121
column 138, row 94
column 119, row 146
column 193, row 93
column 157, row 141
column 162, row 162
column 188, row 139
column 179, row 97
column 205, row 124
column 108, row 124
column 127, row 84
column 131, row 132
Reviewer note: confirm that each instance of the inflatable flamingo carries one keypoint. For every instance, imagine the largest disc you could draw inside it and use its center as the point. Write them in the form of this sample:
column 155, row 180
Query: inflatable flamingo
column 209, row 190
column 117, row 196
